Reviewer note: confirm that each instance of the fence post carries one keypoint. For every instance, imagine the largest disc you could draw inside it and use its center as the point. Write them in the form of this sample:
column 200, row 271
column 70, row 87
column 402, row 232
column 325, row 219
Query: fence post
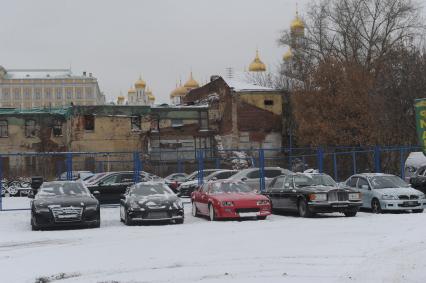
column 377, row 161
column 335, row 167
column 179, row 165
column 261, row 169
column 200, row 167
column 136, row 167
column 1, row 183
column 320, row 159
column 217, row 163
column 69, row 166
column 402, row 163
column 354, row 162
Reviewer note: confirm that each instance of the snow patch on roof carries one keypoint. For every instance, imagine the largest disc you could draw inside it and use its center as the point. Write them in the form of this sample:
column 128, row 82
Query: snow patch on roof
column 238, row 85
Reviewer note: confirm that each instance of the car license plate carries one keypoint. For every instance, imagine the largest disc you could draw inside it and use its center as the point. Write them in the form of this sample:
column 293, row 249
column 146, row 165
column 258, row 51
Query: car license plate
column 340, row 205
column 157, row 215
column 248, row 214
column 67, row 216
column 411, row 203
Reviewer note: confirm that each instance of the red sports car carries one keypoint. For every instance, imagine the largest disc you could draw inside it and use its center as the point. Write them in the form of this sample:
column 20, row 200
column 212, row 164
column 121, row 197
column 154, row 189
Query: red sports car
column 229, row 199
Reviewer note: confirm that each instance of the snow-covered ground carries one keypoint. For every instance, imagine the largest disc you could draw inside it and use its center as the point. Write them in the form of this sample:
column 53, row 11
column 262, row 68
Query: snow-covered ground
column 367, row 248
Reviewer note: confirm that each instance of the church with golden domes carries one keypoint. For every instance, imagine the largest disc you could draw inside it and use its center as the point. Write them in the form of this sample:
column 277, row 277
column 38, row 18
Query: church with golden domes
column 140, row 94
column 297, row 33
column 176, row 96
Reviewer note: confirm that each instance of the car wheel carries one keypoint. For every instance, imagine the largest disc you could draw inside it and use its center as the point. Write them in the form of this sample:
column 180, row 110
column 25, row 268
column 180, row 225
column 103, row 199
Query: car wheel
column 127, row 220
column 194, row 210
column 350, row 213
column 304, row 209
column 121, row 214
column 418, row 210
column 375, row 206
column 179, row 221
column 212, row 215
column 34, row 226
column 261, row 217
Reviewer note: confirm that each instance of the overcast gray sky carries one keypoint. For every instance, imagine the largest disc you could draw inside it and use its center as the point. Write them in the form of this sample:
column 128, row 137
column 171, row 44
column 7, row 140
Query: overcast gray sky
column 160, row 39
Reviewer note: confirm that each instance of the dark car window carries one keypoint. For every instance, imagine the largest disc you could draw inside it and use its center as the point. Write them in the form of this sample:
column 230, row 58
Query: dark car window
column 224, row 175
column 52, row 189
column 126, row 178
column 220, row 188
column 352, row 182
column 384, row 182
column 361, row 182
column 323, row 180
column 278, row 184
column 109, row 180
column 254, row 174
column 272, row 173
column 150, row 189
column 302, row 181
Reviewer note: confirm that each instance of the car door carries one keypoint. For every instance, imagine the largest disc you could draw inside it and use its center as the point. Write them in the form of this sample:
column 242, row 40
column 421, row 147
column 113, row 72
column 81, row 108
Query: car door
column 274, row 192
column 124, row 181
column 366, row 193
column 419, row 181
column 202, row 199
column 289, row 194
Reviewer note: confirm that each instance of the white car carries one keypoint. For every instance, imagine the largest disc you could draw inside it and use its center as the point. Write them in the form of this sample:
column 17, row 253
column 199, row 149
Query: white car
column 381, row 192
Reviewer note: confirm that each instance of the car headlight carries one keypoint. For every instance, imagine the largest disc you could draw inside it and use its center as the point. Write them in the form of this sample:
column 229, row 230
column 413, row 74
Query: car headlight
column 263, row 202
column 389, row 197
column 227, row 203
column 354, row 196
column 422, row 196
column 92, row 207
column 318, row 197
column 40, row 209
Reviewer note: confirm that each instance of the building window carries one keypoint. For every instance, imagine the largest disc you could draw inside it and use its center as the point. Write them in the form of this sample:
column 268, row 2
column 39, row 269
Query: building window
column 48, row 93
column 135, row 123
column 27, row 93
column 89, row 93
column 268, row 102
column 69, row 93
column 57, row 128
column 59, row 93
column 6, row 94
column 79, row 93
column 17, row 93
column 3, row 129
column 37, row 93
column 30, row 128
column 177, row 123
column 89, row 122
column 204, row 121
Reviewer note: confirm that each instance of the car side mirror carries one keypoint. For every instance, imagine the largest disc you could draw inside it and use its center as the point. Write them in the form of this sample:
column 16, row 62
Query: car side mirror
column 96, row 193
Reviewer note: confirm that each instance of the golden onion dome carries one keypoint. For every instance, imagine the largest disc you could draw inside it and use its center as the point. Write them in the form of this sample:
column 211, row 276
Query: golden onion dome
column 288, row 55
column 151, row 97
column 191, row 83
column 179, row 91
column 140, row 83
column 257, row 65
column 297, row 25
column 131, row 90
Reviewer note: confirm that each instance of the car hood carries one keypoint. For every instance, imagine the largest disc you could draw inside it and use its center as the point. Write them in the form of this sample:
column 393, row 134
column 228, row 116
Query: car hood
column 398, row 191
column 155, row 200
column 66, row 201
column 238, row 197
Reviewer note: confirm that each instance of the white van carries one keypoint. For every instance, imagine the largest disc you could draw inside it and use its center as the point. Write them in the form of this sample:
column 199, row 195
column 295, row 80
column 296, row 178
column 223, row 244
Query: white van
column 414, row 161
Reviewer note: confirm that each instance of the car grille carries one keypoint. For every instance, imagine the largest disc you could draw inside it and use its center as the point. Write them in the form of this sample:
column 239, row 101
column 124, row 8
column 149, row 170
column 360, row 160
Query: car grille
column 337, row 196
column 242, row 210
column 157, row 215
column 67, row 214
column 403, row 197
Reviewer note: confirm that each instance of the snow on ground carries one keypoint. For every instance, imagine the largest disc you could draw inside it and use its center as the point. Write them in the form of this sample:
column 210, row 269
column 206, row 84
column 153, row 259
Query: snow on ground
column 367, row 248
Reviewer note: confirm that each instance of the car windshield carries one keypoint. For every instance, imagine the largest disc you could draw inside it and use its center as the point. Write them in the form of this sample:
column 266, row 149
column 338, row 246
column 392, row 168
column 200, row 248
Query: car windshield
column 53, row 189
column 303, row 181
column 95, row 177
column 323, row 180
column 150, row 190
column 384, row 182
column 220, row 188
column 221, row 175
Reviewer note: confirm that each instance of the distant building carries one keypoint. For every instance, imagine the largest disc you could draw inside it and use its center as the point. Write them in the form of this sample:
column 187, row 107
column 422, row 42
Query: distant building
column 47, row 88
column 177, row 95
column 140, row 94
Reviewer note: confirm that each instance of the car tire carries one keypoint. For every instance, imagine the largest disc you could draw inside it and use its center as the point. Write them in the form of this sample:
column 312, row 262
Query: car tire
column 350, row 213
column 179, row 221
column 303, row 209
column 121, row 218
column 127, row 220
column 195, row 212
column 34, row 226
column 261, row 217
column 375, row 206
column 417, row 210
column 212, row 216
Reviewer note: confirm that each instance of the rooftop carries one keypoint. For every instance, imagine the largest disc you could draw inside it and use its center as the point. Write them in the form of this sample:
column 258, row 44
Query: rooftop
column 42, row 74
column 239, row 85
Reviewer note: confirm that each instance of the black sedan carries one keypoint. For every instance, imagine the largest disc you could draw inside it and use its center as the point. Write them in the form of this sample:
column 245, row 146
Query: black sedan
column 64, row 204
column 150, row 201
column 309, row 194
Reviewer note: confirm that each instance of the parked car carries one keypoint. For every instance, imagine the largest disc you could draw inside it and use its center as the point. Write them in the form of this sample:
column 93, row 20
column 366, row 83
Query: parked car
column 112, row 184
column 63, row 204
column 186, row 188
column 229, row 199
column 174, row 180
column 414, row 162
column 76, row 175
column 386, row 192
column 418, row 180
column 313, row 193
column 150, row 201
column 251, row 176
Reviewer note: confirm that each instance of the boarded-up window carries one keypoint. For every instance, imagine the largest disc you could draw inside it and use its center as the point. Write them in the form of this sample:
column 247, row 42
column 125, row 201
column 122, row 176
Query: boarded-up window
column 3, row 129
column 57, row 127
column 204, row 121
column 89, row 122
column 135, row 123
column 30, row 128
column 269, row 102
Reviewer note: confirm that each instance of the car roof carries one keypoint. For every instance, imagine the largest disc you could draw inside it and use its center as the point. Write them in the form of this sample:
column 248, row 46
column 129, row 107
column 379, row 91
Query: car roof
column 372, row 175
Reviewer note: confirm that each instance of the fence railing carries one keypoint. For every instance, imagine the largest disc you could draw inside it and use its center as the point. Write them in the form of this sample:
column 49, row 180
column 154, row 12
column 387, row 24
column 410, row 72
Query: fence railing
column 338, row 162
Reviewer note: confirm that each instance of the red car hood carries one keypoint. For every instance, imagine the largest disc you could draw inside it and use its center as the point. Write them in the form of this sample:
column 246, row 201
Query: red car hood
column 238, row 197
